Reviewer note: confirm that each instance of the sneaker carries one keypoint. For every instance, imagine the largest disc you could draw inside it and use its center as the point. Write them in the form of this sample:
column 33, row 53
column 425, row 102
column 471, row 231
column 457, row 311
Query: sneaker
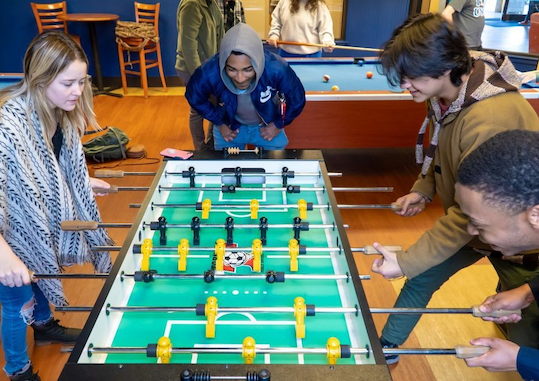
column 524, row 23
column 390, row 359
column 52, row 332
column 27, row 375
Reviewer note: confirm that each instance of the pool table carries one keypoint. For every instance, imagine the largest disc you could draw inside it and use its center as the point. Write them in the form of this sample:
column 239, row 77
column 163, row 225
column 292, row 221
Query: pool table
column 8, row 79
column 362, row 113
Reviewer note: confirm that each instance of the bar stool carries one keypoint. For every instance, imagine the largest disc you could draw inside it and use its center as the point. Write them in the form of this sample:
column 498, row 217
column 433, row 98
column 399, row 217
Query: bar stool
column 144, row 13
column 533, row 40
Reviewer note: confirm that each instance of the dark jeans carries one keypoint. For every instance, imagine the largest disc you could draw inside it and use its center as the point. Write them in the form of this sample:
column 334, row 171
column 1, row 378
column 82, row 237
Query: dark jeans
column 418, row 291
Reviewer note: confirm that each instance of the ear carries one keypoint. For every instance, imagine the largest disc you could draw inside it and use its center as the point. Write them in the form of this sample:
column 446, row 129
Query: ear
column 533, row 216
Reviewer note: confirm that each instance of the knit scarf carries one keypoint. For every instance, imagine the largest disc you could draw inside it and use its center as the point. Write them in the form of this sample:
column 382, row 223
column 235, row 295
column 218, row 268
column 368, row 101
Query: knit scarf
column 38, row 192
column 493, row 73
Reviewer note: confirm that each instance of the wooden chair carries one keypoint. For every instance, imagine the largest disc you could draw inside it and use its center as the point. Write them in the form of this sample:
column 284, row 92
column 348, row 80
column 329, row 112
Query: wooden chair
column 144, row 13
column 47, row 17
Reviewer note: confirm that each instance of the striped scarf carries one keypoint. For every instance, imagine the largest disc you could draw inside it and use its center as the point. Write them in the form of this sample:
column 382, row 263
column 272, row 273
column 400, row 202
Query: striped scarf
column 37, row 193
column 493, row 73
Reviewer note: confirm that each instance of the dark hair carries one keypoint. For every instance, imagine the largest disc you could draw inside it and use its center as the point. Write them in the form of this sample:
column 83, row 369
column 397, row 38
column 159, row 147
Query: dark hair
column 310, row 5
column 425, row 45
column 236, row 53
column 505, row 170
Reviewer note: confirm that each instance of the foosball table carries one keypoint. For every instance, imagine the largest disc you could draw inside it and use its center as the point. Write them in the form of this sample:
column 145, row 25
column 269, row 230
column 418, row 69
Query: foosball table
column 235, row 268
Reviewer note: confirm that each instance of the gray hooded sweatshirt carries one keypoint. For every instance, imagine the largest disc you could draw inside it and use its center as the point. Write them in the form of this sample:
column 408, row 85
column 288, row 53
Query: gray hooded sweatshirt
column 242, row 38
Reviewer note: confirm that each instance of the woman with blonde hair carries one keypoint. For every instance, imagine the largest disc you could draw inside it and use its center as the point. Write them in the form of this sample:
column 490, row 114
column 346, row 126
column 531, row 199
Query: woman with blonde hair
column 44, row 181
column 301, row 21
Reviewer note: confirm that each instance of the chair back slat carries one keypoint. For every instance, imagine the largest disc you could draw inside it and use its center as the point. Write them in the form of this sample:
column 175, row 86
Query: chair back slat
column 47, row 16
column 148, row 13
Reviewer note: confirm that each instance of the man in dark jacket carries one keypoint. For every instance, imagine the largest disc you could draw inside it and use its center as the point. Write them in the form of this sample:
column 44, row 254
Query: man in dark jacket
column 257, row 93
column 498, row 189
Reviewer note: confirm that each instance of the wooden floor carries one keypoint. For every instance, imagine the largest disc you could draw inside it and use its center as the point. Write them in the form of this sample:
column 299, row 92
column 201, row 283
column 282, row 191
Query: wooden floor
column 161, row 122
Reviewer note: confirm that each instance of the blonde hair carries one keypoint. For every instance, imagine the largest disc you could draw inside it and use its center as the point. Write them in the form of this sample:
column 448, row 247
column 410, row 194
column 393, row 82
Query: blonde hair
column 48, row 55
column 311, row 5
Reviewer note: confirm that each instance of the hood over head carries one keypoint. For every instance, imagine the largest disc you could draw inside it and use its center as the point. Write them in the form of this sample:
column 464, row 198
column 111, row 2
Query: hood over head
column 244, row 39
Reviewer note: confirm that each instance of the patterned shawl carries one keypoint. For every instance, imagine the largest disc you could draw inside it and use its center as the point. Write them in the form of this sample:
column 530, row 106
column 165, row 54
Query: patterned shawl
column 493, row 73
column 37, row 193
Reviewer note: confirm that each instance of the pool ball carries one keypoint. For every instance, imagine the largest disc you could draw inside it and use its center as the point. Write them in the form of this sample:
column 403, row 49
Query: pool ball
column 335, row 88
column 369, row 74
column 326, row 78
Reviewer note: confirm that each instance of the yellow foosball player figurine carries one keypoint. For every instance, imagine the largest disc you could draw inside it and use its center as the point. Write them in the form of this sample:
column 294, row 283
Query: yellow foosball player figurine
column 211, row 314
column 183, row 250
column 300, row 312
column 254, row 209
column 257, row 255
column 146, row 250
column 249, row 349
column 164, row 350
column 293, row 249
column 220, row 246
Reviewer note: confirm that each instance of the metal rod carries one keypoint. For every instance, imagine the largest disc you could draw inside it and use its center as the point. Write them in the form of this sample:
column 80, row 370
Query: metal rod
column 69, row 276
column 240, row 206
column 275, row 189
column 279, row 350
column 243, row 226
column 115, row 225
column 106, row 248
column 248, row 276
column 73, row 309
column 365, row 206
column 229, row 309
column 264, row 249
column 279, row 206
column 252, row 174
column 422, row 310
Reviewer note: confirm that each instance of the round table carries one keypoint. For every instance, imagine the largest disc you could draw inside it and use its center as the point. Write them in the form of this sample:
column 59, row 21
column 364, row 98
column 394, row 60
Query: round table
column 92, row 19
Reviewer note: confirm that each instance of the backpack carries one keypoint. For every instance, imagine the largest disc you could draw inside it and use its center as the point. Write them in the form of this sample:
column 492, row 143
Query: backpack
column 112, row 145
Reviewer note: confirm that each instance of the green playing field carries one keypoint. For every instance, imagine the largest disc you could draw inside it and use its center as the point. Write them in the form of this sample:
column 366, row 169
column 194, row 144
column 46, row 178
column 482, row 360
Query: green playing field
column 136, row 329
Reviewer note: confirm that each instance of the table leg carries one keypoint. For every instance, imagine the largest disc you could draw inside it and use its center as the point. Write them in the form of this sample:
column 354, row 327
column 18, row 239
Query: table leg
column 97, row 64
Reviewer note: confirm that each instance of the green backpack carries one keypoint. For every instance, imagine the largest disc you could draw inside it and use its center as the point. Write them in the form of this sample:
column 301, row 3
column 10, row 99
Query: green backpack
column 112, row 145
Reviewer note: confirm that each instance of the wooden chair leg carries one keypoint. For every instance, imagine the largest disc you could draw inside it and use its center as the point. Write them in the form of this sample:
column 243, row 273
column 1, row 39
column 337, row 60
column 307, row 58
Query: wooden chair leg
column 122, row 68
column 160, row 66
column 143, row 74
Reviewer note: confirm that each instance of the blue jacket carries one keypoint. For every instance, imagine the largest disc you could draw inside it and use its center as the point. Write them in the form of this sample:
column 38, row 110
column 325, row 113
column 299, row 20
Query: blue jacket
column 528, row 358
column 528, row 363
column 275, row 83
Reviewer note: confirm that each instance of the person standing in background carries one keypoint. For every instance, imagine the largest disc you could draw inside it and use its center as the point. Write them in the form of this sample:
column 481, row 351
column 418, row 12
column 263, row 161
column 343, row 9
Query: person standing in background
column 200, row 31
column 301, row 21
column 272, row 5
column 233, row 12
column 468, row 17
column 257, row 93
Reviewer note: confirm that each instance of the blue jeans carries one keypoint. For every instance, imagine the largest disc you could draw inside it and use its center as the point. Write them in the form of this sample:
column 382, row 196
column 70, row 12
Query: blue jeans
column 283, row 53
column 250, row 135
column 16, row 316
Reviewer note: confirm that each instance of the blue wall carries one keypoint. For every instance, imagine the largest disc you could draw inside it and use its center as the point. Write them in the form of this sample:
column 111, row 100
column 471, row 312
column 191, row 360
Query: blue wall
column 369, row 24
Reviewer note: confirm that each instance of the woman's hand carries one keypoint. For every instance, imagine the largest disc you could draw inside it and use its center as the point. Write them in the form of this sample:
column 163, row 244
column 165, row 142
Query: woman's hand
column 273, row 41
column 98, row 183
column 13, row 272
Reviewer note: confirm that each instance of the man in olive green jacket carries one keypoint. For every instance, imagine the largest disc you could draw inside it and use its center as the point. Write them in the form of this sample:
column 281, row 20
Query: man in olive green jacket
column 200, row 31
column 472, row 96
